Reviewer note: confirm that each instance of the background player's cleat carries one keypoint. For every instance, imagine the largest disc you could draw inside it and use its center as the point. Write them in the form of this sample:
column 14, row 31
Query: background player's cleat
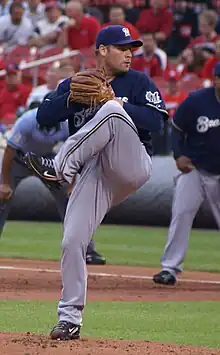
column 95, row 258
column 65, row 331
column 164, row 278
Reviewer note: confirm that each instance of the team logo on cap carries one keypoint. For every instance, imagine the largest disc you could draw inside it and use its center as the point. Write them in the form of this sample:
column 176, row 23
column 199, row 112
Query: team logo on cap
column 126, row 31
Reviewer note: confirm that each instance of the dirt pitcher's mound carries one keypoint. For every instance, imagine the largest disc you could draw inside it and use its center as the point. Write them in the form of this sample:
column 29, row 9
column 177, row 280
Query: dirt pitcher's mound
column 29, row 344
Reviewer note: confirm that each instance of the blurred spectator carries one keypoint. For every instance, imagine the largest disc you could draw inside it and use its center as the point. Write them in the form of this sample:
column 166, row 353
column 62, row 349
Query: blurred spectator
column 158, row 19
column 15, row 28
column 2, row 77
column 214, row 4
column 66, row 71
column 185, row 27
column 205, row 41
column 117, row 17
column 149, row 62
column 131, row 12
column 191, row 61
column 52, row 78
column 35, row 11
column 47, row 29
column 92, row 10
column 13, row 95
column 173, row 96
column 5, row 6
column 208, row 70
column 81, row 29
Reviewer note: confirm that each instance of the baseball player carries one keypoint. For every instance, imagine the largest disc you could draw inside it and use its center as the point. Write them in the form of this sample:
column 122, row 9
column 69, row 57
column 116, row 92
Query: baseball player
column 28, row 135
column 111, row 118
column 195, row 138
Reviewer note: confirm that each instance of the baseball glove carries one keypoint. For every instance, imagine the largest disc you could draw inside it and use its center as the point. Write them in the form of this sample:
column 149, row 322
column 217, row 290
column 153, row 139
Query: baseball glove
column 90, row 87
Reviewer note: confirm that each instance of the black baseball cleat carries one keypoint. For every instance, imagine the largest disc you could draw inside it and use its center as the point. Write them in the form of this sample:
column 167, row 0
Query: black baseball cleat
column 95, row 258
column 65, row 331
column 164, row 278
column 42, row 167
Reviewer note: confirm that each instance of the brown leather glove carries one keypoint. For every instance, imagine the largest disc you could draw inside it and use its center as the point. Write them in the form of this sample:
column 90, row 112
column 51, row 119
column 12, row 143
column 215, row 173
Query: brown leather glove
column 90, row 87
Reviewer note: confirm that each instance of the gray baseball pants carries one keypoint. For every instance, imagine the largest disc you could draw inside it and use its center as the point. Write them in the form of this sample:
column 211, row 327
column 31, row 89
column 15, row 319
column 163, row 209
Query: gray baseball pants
column 190, row 191
column 115, row 164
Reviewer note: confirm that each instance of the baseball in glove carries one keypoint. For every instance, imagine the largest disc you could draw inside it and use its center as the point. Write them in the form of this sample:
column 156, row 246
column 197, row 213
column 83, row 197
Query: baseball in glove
column 91, row 88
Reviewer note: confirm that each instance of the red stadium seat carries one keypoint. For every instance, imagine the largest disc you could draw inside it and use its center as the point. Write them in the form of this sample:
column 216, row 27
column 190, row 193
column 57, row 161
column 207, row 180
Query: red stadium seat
column 42, row 69
column 89, row 58
column 50, row 51
column 160, row 82
column 20, row 53
column 193, row 82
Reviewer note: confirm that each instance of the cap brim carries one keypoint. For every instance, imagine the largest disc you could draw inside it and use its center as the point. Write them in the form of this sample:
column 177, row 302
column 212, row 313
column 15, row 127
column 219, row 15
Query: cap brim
column 132, row 43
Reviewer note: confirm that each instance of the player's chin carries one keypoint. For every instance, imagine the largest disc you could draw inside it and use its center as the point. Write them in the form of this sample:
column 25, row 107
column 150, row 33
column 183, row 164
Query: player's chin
column 125, row 68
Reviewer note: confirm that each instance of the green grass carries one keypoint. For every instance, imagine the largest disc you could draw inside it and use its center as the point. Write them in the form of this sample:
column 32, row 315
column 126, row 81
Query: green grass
column 194, row 323
column 120, row 244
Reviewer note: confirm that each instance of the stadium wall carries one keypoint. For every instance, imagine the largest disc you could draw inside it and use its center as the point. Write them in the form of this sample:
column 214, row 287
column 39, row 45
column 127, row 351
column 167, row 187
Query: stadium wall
column 151, row 205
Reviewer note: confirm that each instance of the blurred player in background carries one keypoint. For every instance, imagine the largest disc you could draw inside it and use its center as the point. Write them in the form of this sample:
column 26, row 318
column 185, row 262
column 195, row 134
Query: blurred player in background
column 195, row 138
column 26, row 135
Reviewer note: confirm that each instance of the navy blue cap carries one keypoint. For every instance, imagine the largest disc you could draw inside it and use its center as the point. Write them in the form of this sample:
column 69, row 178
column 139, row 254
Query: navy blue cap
column 217, row 69
column 116, row 36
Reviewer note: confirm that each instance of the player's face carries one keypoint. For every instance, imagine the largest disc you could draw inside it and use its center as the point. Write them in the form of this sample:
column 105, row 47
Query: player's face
column 118, row 58
column 217, row 82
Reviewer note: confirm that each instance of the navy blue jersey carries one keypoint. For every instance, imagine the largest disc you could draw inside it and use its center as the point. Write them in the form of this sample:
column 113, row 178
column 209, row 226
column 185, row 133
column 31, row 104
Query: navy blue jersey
column 142, row 101
column 196, row 131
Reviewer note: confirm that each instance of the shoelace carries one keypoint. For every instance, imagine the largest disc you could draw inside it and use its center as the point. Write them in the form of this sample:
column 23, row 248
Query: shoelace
column 62, row 325
column 47, row 162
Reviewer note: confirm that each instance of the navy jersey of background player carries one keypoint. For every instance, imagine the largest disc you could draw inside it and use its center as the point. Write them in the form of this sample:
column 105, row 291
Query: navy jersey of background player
column 142, row 101
column 199, row 115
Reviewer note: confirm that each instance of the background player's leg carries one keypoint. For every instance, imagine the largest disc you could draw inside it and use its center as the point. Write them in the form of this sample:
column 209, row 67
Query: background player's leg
column 61, row 199
column 188, row 196
column 18, row 172
column 211, row 185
